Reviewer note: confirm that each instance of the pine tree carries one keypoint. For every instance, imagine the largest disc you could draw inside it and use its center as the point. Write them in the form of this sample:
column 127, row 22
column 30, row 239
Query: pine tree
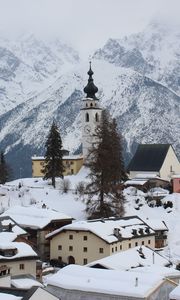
column 107, row 172
column 4, row 169
column 53, row 166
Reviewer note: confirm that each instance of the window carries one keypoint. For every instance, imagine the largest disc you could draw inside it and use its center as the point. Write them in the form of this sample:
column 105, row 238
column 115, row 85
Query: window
column 136, row 244
column 85, row 249
column 149, row 242
column 142, row 242
column 70, row 248
column 112, row 250
column 59, row 247
column 115, row 248
column 129, row 245
column 70, row 237
column 72, row 171
column 60, row 258
column 120, row 247
column 97, row 117
column 91, row 104
column 21, row 266
column 87, row 117
column 85, row 261
column 85, row 237
column 101, row 250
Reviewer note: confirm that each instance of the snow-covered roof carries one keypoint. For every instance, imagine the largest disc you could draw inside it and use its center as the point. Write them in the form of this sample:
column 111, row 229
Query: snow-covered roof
column 25, row 282
column 131, row 258
column 4, row 296
column 176, row 176
column 135, row 182
column 7, row 237
column 156, row 224
column 134, row 284
column 165, row 272
column 105, row 228
column 23, row 250
column 15, row 228
column 65, row 157
column 147, row 175
column 175, row 294
column 34, row 217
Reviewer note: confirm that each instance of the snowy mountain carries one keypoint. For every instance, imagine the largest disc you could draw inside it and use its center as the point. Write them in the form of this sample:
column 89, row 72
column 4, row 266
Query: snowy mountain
column 134, row 83
column 153, row 52
column 28, row 65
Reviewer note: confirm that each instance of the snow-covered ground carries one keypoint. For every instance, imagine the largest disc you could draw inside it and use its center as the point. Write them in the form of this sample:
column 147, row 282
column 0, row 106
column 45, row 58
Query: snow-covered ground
column 38, row 192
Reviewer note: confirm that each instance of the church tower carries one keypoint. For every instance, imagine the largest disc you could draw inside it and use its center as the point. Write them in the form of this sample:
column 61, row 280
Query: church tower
column 91, row 114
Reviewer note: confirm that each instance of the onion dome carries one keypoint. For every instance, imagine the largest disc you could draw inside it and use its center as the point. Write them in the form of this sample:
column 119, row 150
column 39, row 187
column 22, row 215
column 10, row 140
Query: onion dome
column 90, row 89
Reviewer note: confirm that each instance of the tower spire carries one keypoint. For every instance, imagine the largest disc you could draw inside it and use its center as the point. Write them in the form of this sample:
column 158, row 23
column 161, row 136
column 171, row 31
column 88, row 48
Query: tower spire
column 90, row 89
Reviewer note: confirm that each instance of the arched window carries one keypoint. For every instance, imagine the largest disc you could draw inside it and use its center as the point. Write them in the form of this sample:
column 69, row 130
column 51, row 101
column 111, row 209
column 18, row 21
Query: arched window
column 91, row 104
column 86, row 105
column 97, row 117
column 71, row 260
column 87, row 117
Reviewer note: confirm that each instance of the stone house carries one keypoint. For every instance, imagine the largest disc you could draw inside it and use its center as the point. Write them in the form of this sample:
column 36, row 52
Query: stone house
column 85, row 241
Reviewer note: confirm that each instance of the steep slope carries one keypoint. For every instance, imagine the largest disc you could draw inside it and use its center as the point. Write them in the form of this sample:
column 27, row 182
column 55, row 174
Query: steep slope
column 29, row 65
column 153, row 52
column 146, row 111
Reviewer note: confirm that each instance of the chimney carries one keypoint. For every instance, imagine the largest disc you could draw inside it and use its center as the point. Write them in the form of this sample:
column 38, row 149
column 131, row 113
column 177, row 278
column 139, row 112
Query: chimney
column 117, row 233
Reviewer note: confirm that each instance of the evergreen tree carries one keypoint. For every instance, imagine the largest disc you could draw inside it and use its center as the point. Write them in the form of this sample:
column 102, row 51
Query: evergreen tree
column 53, row 166
column 4, row 169
column 107, row 172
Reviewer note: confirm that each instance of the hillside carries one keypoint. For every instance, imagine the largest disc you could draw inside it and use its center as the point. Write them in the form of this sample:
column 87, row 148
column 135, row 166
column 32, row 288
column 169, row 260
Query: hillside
column 35, row 192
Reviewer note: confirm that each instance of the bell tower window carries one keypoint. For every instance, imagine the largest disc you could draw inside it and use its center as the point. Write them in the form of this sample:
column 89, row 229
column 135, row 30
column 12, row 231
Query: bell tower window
column 97, row 117
column 87, row 117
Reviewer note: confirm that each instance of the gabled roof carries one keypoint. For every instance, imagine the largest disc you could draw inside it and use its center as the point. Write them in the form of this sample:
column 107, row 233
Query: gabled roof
column 104, row 228
column 149, row 157
column 34, row 217
column 131, row 258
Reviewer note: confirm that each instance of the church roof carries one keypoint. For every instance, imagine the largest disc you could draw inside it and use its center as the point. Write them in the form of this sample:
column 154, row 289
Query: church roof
column 90, row 89
column 149, row 157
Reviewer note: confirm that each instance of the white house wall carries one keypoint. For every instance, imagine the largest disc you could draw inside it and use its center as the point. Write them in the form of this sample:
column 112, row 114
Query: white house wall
column 170, row 166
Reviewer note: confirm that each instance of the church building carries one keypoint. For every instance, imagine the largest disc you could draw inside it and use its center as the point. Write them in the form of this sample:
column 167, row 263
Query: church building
column 91, row 115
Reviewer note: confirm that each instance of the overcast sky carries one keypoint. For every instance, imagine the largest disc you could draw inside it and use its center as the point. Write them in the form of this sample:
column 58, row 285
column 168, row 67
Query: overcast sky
column 87, row 24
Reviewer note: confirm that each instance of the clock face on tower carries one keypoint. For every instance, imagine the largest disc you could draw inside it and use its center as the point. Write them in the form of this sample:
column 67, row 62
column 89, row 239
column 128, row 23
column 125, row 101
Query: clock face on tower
column 87, row 129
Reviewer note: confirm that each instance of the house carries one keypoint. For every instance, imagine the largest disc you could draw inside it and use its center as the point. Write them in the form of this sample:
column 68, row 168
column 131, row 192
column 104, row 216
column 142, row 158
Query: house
column 18, row 257
column 38, row 222
column 80, row 282
column 146, row 181
column 159, row 159
column 72, row 164
column 176, row 183
column 7, row 224
column 161, row 230
column 85, row 241
column 140, row 256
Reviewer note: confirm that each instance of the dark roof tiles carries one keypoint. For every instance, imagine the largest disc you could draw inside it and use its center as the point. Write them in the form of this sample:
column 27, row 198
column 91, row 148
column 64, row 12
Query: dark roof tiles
column 149, row 157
